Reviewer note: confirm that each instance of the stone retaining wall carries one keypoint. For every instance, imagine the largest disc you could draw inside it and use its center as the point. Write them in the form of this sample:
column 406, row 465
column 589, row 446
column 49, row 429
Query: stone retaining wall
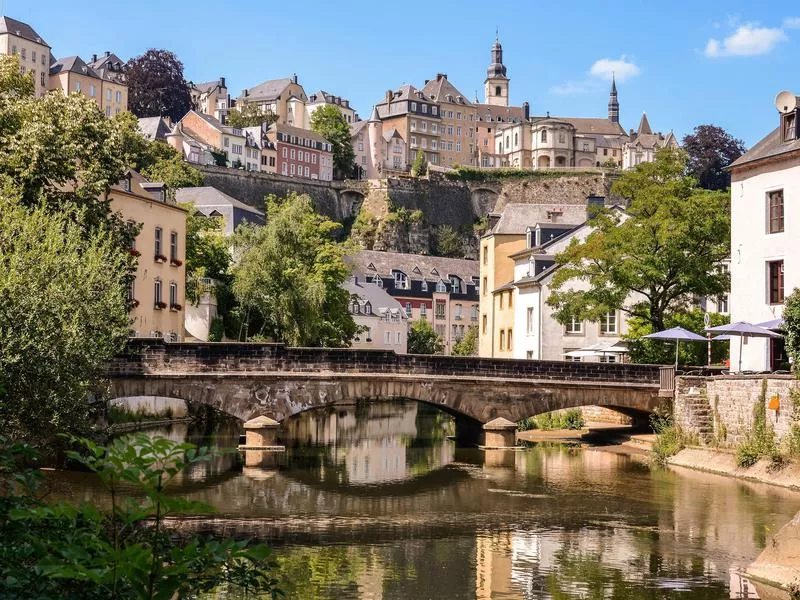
column 721, row 408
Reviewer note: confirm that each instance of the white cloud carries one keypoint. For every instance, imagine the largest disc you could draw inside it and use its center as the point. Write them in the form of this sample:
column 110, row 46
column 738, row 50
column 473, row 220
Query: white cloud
column 791, row 23
column 747, row 40
column 621, row 69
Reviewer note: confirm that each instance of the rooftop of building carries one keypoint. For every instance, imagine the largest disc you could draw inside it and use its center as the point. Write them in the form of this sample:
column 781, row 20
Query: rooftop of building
column 154, row 128
column 109, row 66
column 441, row 90
column 769, row 146
column 210, row 197
column 72, row 64
column 20, row 29
column 517, row 217
column 368, row 263
column 268, row 90
column 379, row 299
column 297, row 131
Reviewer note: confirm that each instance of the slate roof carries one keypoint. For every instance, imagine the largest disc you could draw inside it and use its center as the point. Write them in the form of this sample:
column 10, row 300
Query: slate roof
column 210, row 197
column 355, row 128
column 292, row 130
column 368, row 263
column 516, row 218
column 644, row 125
column 154, row 128
column 771, row 145
column 72, row 64
column 206, row 86
column 379, row 299
column 269, row 90
column 507, row 113
column 20, row 29
column 106, row 67
column 593, row 125
column 438, row 89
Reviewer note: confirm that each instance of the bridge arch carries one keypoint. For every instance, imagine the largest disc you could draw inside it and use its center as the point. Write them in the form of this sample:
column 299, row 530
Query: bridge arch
column 350, row 201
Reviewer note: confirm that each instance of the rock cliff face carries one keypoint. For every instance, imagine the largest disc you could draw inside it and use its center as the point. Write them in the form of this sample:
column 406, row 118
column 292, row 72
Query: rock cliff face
column 414, row 215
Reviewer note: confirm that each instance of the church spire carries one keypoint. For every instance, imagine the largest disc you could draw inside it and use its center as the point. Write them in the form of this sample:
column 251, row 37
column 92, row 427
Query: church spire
column 613, row 103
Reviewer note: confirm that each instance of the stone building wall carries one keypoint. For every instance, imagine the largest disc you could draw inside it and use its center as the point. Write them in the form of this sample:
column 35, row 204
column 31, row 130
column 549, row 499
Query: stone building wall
column 721, row 408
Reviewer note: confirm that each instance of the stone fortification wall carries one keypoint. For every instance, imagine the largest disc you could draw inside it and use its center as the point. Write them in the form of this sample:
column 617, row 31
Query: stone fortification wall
column 721, row 408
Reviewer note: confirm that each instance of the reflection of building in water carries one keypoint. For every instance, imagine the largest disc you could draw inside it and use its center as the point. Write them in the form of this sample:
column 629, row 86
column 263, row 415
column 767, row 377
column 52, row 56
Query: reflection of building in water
column 741, row 588
column 374, row 447
column 493, row 564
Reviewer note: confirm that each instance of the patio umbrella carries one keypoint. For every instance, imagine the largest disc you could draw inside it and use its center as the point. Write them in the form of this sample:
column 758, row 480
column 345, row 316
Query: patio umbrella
column 772, row 325
column 676, row 334
column 743, row 330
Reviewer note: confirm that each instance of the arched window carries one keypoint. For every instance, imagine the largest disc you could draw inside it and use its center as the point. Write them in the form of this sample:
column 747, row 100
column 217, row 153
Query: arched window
column 516, row 139
column 544, row 135
column 498, row 91
column 354, row 307
column 367, row 308
column 441, row 287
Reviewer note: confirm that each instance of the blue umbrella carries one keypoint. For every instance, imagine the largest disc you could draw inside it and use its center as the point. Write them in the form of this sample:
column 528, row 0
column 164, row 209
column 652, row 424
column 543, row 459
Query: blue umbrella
column 676, row 334
column 743, row 330
column 772, row 325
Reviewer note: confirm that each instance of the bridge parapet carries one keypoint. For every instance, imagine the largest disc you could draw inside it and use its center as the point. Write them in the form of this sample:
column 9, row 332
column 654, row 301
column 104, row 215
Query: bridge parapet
column 154, row 356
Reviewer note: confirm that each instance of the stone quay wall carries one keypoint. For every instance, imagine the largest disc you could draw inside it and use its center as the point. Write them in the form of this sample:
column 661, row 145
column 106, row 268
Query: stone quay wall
column 721, row 409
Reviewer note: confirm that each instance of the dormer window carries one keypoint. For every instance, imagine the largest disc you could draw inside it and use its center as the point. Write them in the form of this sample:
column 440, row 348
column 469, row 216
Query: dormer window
column 354, row 307
column 789, row 127
column 378, row 281
column 455, row 282
column 424, row 285
column 400, row 280
column 441, row 287
column 367, row 308
column 529, row 235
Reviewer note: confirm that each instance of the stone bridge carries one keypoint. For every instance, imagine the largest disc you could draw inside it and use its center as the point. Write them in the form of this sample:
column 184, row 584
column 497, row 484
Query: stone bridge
column 248, row 380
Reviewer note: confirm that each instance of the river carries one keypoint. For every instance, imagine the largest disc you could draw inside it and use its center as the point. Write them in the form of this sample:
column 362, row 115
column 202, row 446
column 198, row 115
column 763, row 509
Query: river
column 375, row 502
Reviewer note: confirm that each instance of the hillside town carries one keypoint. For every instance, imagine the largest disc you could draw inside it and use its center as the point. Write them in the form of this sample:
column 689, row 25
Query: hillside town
column 364, row 296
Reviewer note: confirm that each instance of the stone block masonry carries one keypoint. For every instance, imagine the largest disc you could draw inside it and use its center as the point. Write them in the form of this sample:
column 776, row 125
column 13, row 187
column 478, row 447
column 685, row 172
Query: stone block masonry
column 721, row 409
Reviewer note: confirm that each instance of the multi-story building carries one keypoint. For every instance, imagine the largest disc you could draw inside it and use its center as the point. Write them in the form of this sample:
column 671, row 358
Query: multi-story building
column 378, row 151
column 765, row 262
column 443, row 291
column 258, row 137
column 416, row 118
column 382, row 319
column 513, row 145
column 211, row 202
column 20, row 39
column 507, row 236
column 155, row 128
column 110, row 68
column 158, row 290
column 323, row 98
column 199, row 137
column 283, row 98
column 642, row 144
column 211, row 98
column 457, row 141
column 301, row 152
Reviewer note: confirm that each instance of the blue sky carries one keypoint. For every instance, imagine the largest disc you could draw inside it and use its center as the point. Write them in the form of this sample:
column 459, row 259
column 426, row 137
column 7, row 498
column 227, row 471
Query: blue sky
column 684, row 63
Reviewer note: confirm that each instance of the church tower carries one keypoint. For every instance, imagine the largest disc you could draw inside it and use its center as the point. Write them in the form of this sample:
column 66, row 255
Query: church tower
column 613, row 103
column 496, row 84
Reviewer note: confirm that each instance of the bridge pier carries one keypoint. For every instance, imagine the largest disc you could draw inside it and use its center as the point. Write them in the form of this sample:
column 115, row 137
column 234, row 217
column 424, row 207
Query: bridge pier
column 500, row 433
column 261, row 434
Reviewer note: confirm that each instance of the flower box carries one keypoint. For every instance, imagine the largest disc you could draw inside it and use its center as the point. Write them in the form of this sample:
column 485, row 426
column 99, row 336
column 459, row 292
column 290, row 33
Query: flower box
column 160, row 258
column 134, row 303
column 134, row 252
column 175, row 262
column 160, row 305
column 175, row 307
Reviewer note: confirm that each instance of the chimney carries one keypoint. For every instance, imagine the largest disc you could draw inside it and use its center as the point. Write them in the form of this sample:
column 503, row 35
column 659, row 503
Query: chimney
column 222, row 82
column 94, row 58
column 491, row 220
column 108, row 53
column 526, row 111
column 389, row 96
column 346, row 103
column 244, row 93
column 440, row 76
column 294, row 78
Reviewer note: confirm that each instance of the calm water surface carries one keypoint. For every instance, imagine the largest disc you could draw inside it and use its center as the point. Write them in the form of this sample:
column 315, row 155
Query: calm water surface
column 375, row 502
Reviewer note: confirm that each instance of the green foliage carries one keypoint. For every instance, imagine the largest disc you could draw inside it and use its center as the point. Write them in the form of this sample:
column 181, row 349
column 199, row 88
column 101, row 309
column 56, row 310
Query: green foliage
column 527, row 424
column 480, row 226
column 329, row 122
column 207, row 255
column 422, row 339
column 568, row 419
column 448, row 242
column 467, row 345
column 156, row 86
column 117, row 414
column 573, row 419
column 420, row 166
column 364, row 229
column 463, row 173
column 657, row 352
column 175, row 172
column 126, row 552
column 791, row 317
column 669, row 438
column 759, row 442
column 63, row 315
column 662, row 251
column 216, row 331
column 290, row 275
column 249, row 115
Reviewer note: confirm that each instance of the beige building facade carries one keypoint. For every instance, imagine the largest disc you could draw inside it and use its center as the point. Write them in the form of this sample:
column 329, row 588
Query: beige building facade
column 381, row 318
column 456, row 127
column 21, row 40
column 211, row 98
column 285, row 98
column 158, row 290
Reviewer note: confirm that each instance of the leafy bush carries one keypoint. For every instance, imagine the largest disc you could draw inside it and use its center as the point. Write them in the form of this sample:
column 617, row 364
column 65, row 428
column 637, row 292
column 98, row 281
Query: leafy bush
column 572, row 419
column 791, row 318
column 760, row 440
column 217, row 330
column 475, row 174
column 448, row 242
column 669, row 438
column 117, row 414
column 527, row 424
column 125, row 552
column 569, row 419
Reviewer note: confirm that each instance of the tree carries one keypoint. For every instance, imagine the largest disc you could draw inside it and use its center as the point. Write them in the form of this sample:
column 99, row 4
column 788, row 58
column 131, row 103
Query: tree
column 63, row 315
column 420, row 167
column 658, row 352
column 175, row 172
column 652, row 260
column 448, row 242
column 422, row 339
column 329, row 122
column 207, row 255
column 467, row 345
column 249, row 115
column 710, row 149
column 156, row 86
column 290, row 276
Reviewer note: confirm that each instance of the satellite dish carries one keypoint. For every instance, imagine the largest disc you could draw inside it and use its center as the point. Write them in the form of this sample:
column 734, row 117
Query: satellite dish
column 785, row 102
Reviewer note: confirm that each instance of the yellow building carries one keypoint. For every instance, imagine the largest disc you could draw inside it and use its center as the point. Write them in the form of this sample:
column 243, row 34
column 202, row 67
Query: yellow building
column 110, row 68
column 105, row 85
column 285, row 98
column 19, row 39
column 158, row 291
column 457, row 141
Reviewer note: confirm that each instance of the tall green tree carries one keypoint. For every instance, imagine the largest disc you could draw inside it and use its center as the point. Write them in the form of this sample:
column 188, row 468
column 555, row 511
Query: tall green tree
column 653, row 259
column 710, row 149
column 422, row 339
column 63, row 315
column 420, row 167
column 249, row 114
column 156, row 85
column 467, row 345
column 329, row 122
column 290, row 275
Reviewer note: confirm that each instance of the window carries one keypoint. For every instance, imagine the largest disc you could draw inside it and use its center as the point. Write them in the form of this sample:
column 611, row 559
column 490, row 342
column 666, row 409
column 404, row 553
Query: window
column 529, row 321
column 13, row 49
column 313, row 159
column 397, row 337
column 367, row 308
column 292, row 169
column 387, row 337
column 510, row 339
column 498, row 92
column 574, row 326
column 425, row 108
column 423, row 311
column 369, row 334
column 408, row 309
column 458, row 130
column 775, row 211
column 441, row 287
column 501, row 300
column 158, row 241
column 22, row 53
column 414, row 106
column 455, row 282
column 108, row 111
column 284, row 152
column 400, row 280
column 119, row 97
column 608, row 324
column 775, row 273
column 722, row 304
column 360, row 146
column 483, row 287
column 41, row 77
column 157, row 293
column 77, row 86
column 502, row 339
column 789, row 126
column 483, row 324
column 608, row 358
column 33, row 56
column 292, row 154
column 440, row 309
column 173, row 246
column 173, row 294
column 457, row 313
column 529, row 355
column 434, row 110
column 510, row 298
column 424, row 286
column 605, row 151
column 307, row 172
column 544, row 135
column 108, row 95
column 486, row 255
column 562, row 137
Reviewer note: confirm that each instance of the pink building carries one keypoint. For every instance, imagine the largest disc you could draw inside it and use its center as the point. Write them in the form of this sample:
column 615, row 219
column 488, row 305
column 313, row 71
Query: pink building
column 301, row 152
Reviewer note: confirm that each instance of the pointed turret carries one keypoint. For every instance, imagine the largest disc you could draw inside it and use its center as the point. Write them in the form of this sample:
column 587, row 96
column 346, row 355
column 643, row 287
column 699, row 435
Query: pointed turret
column 374, row 116
column 644, row 125
column 496, row 84
column 613, row 104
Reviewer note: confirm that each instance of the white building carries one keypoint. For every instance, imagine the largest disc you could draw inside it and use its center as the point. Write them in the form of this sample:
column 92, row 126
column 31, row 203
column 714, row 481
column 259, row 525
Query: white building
column 765, row 251
column 383, row 321
column 21, row 40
